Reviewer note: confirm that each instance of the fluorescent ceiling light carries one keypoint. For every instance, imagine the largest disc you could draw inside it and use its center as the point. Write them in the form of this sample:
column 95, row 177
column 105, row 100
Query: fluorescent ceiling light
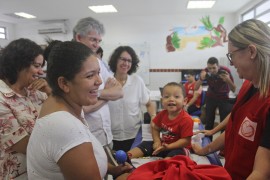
column 103, row 9
column 25, row 15
column 200, row 4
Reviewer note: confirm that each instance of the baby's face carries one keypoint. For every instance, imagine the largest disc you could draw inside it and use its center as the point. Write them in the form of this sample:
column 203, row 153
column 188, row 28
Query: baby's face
column 173, row 99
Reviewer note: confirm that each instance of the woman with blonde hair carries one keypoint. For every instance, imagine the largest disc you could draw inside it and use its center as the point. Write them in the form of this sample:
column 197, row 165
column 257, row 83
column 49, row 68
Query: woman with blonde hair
column 247, row 134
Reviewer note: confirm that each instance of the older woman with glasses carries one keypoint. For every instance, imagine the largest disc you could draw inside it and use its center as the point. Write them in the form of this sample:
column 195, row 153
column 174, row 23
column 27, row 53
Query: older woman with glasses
column 126, row 112
column 247, row 135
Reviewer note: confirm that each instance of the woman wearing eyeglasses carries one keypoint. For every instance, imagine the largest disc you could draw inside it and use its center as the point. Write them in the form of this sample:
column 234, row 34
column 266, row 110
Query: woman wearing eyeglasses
column 126, row 112
column 247, row 134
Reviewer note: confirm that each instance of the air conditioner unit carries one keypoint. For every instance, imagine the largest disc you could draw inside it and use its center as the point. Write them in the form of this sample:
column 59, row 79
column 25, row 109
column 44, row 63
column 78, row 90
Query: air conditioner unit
column 52, row 28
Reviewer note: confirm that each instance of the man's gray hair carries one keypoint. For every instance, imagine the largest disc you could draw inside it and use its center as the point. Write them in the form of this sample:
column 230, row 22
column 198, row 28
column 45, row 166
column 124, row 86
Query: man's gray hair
column 86, row 25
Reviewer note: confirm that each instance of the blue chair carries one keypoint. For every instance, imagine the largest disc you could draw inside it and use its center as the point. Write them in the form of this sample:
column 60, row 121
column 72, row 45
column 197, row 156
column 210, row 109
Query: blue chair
column 199, row 112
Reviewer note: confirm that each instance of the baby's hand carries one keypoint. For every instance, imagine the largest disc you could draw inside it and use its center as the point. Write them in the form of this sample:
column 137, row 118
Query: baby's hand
column 160, row 149
column 156, row 145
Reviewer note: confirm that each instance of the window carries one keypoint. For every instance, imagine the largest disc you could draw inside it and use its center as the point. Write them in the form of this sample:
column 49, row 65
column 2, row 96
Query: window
column 3, row 33
column 263, row 7
column 248, row 15
column 260, row 11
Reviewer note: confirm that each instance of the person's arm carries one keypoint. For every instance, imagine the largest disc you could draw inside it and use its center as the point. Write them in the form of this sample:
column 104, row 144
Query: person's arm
column 221, row 126
column 79, row 163
column 20, row 146
column 261, row 168
column 194, row 98
column 151, row 108
column 231, row 84
column 199, row 82
column 112, row 90
column 181, row 143
column 95, row 107
column 155, row 135
column 214, row 146
column 16, row 138
column 225, row 76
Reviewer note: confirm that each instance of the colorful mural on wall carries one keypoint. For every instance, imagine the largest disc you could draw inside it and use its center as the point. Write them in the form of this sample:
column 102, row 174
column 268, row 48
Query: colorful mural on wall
column 206, row 36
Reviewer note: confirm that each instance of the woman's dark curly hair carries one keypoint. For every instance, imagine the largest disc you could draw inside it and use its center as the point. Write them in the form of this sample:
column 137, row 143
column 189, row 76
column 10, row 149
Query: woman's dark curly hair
column 117, row 53
column 17, row 56
column 65, row 60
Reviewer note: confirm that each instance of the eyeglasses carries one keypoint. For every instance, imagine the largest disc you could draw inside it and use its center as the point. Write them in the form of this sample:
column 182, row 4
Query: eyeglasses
column 125, row 60
column 229, row 55
column 94, row 40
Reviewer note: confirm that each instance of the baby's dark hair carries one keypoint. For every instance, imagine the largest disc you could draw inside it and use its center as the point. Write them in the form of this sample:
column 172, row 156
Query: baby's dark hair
column 175, row 84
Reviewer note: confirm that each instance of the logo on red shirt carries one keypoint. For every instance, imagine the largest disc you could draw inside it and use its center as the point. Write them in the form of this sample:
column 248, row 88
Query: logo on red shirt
column 248, row 129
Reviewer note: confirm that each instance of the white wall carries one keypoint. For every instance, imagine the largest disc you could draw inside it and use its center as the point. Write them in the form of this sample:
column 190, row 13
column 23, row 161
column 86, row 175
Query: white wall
column 153, row 31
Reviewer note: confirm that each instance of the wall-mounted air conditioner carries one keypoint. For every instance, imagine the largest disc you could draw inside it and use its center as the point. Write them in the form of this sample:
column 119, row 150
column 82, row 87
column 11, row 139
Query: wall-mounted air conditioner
column 55, row 27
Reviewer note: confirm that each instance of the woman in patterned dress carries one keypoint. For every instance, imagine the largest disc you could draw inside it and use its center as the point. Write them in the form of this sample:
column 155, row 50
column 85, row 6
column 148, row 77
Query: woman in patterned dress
column 22, row 92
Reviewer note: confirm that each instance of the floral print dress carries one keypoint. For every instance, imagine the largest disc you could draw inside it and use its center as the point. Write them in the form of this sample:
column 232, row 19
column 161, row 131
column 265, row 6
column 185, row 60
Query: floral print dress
column 17, row 119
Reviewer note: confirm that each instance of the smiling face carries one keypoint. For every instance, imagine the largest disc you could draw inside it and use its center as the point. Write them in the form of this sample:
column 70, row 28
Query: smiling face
column 83, row 89
column 33, row 72
column 173, row 99
column 241, row 60
column 124, row 63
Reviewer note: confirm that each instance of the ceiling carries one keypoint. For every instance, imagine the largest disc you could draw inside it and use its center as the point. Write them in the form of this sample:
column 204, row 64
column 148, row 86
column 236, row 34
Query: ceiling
column 74, row 9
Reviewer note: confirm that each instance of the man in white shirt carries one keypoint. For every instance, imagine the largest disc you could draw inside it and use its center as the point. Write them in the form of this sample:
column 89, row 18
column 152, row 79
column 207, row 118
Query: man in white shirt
column 89, row 31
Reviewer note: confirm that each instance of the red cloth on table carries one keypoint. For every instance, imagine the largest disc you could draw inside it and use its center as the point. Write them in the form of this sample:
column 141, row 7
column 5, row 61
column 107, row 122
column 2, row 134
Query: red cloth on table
column 178, row 167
